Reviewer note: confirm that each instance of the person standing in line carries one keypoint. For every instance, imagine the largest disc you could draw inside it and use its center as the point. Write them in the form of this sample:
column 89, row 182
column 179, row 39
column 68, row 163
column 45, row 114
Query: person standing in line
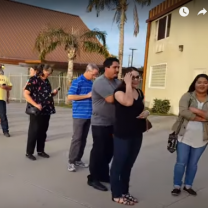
column 32, row 71
column 38, row 93
column 193, row 134
column 130, row 124
column 80, row 94
column 5, row 87
column 102, row 122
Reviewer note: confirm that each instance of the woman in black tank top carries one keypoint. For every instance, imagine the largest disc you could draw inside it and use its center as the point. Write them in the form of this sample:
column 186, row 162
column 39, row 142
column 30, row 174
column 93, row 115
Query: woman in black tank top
column 128, row 133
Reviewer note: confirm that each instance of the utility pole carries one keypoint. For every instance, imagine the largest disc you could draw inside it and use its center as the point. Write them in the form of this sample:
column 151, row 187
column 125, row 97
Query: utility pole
column 132, row 56
column 129, row 60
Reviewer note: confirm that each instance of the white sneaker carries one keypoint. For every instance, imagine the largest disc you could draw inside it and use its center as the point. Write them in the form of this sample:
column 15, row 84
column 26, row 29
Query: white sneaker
column 81, row 164
column 71, row 168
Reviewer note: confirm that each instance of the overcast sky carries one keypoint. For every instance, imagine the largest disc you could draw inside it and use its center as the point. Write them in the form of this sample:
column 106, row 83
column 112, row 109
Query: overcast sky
column 104, row 23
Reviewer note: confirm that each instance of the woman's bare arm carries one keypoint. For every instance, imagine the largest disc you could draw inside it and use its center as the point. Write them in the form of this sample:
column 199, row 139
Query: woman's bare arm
column 125, row 98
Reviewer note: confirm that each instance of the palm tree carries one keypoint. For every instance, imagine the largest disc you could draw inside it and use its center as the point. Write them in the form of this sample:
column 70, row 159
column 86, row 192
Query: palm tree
column 50, row 38
column 120, row 7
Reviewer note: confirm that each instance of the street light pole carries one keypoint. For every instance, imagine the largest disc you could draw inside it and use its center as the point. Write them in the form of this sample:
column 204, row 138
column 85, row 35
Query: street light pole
column 132, row 56
column 129, row 60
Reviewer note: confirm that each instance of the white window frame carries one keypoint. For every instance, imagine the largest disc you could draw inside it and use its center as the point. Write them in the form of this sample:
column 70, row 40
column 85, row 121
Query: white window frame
column 166, row 27
column 150, row 77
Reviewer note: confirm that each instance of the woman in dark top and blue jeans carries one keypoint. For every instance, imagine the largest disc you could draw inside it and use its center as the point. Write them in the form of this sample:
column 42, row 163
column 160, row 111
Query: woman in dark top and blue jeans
column 128, row 133
column 39, row 94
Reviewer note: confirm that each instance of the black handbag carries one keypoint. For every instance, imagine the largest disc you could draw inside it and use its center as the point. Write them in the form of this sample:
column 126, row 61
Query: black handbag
column 32, row 110
column 147, row 125
column 173, row 137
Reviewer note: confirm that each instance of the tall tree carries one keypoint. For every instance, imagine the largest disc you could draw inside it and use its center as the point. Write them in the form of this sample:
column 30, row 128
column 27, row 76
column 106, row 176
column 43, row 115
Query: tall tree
column 50, row 38
column 120, row 7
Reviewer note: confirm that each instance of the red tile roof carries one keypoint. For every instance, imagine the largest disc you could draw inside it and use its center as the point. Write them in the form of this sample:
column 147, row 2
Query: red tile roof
column 21, row 23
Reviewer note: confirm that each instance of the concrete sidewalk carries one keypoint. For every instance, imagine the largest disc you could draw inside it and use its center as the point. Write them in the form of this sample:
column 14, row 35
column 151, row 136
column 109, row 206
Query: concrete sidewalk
column 46, row 183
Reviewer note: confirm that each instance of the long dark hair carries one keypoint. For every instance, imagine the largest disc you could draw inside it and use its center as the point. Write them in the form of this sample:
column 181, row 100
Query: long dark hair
column 129, row 69
column 192, row 86
column 39, row 68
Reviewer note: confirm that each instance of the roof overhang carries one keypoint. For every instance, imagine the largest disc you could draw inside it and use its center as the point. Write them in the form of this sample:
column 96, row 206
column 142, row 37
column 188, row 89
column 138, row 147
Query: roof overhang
column 56, row 65
column 164, row 8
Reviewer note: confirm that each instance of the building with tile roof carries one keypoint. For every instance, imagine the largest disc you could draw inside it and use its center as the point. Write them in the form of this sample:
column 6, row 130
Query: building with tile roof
column 20, row 25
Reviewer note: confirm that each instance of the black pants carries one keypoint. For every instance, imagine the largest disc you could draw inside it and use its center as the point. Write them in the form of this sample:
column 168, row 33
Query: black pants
column 79, row 139
column 125, row 154
column 101, row 153
column 37, row 133
column 3, row 117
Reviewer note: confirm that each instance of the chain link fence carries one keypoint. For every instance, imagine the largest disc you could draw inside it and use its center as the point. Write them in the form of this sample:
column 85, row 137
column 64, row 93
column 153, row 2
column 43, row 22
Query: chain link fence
column 19, row 81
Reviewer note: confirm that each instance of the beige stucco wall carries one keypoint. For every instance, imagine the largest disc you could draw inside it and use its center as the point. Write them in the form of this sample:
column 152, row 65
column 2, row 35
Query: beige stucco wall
column 192, row 33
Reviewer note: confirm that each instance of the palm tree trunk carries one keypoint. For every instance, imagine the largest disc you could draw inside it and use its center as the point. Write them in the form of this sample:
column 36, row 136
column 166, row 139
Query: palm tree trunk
column 70, row 71
column 121, row 42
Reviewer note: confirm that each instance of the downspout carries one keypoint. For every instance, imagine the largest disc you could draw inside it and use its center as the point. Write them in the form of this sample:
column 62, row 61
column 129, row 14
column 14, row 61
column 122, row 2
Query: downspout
column 146, row 56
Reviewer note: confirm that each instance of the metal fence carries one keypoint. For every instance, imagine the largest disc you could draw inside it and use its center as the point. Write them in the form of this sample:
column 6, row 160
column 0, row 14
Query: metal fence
column 19, row 82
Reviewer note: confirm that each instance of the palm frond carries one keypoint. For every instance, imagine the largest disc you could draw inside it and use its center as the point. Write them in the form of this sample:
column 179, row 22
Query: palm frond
column 100, row 5
column 143, row 2
column 136, row 21
column 48, row 40
column 89, row 46
column 94, row 35
column 118, row 11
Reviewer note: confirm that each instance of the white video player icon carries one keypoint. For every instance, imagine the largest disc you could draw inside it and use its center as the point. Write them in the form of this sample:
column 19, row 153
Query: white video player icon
column 184, row 11
column 203, row 11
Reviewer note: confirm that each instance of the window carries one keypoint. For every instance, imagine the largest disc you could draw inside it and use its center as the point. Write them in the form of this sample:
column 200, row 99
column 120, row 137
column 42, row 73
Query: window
column 163, row 27
column 158, row 76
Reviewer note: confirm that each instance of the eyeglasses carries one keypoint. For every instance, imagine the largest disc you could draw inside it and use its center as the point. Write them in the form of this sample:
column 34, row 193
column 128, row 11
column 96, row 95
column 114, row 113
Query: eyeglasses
column 136, row 78
column 94, row 74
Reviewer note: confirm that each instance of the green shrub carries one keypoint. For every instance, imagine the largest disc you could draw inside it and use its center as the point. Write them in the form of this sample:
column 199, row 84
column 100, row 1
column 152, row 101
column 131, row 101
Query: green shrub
column 161, row 106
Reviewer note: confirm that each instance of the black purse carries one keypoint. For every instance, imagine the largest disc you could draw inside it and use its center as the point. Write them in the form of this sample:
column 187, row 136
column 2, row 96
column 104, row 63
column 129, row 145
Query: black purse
column 32, row 110
column 173, row 137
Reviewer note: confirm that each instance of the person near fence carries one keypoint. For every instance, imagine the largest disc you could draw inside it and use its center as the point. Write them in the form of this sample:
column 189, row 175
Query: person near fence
column 38, row 93
column 32, row 72
column 5, row 87
column 193, row 133
column 102, row 122
column 130, row 123
column 80, row 95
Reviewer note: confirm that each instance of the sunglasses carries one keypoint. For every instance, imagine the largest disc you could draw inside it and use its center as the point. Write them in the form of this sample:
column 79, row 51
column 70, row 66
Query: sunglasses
column 136, row 77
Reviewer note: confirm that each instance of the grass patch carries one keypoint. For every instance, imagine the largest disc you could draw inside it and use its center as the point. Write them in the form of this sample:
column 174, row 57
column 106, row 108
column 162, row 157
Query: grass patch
column 159, row 114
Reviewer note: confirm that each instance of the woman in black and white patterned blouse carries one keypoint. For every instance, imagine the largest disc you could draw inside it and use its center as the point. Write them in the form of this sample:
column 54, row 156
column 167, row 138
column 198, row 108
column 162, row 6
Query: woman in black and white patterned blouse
column 38, row 93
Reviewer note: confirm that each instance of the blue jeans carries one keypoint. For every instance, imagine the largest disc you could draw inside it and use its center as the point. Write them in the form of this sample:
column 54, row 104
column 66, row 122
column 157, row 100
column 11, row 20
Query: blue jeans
column 125, row 154
column 3, row 117
column 187, row 159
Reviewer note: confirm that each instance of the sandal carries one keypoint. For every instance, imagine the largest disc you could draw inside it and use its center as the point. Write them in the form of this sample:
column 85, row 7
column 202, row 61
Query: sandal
column 123, row 200
column 130, row 198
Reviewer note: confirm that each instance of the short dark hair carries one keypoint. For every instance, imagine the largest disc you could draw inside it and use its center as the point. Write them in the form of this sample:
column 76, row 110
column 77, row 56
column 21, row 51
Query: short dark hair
column 192, row 86
column 109, row 61
column 39, row 68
